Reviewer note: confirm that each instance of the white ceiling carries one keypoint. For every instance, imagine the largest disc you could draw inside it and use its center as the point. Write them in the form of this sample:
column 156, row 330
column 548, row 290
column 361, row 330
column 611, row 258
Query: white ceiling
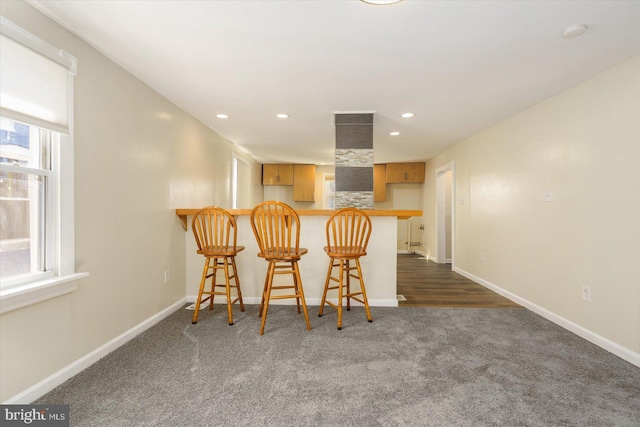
column 459, row 66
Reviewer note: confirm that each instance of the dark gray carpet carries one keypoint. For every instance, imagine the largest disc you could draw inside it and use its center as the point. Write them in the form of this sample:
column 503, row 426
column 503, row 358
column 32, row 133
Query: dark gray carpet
column 411, row 366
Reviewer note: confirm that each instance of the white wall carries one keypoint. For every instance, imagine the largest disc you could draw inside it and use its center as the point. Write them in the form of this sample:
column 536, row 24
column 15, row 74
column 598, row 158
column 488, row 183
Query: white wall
column 584, row 145
column 137, row 158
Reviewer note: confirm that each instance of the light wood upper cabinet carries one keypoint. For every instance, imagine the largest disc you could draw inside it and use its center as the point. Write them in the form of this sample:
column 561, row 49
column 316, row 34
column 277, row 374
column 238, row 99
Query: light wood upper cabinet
column 277, row 174
column 304, row 183
column 405, row 173
column 379, row 183
column 415, row 172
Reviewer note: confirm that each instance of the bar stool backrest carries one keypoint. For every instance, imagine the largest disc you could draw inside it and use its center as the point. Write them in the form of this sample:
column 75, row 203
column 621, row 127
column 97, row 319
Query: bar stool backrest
column 348, row 230
column 214, row 230
column 276, row 226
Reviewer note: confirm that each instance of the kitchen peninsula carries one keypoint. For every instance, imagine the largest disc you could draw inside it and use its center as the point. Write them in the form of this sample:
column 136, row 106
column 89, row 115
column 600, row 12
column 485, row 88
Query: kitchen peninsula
column 379, row 266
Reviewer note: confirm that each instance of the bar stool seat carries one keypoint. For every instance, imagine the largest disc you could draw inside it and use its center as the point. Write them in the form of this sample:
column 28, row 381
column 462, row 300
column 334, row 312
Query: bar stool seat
column 214, row 230
column 348, row 231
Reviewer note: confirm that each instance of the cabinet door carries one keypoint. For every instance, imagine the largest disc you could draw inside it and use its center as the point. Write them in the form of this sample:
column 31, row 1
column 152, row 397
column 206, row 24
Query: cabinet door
column 414, row 172
column 379, row 183
column 395, row 173
column 269, row 174
column 286, row 174
column 304, row 183
column 277, row 174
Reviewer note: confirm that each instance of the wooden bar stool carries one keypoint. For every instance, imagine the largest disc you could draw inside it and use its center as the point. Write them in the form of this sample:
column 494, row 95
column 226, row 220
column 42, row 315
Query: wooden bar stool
column 348, row 232
column 277, row 230
column 215, row 232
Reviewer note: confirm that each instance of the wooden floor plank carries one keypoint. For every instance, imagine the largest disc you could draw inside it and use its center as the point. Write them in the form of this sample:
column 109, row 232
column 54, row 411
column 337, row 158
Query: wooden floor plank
column 425, row 283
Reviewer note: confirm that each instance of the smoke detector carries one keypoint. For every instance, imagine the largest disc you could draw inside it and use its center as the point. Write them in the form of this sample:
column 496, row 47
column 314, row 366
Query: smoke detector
column 574, row 31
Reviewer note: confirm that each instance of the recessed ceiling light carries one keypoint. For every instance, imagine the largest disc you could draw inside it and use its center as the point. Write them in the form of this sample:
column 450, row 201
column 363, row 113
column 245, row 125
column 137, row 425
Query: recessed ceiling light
column 574, row 31
column 394, row 133
column 407, row 115
column 282, row 116
column 222, row 116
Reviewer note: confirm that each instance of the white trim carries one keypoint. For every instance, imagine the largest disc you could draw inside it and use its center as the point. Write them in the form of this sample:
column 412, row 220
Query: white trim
column 26, row 170
column 241, row 160
column 311, row 302
column 53, row 381
column 33, row 293
column 602, row 342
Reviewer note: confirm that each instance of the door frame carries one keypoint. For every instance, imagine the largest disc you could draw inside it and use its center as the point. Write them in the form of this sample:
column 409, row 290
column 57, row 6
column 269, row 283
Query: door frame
column 326, row 177
column 441, row 254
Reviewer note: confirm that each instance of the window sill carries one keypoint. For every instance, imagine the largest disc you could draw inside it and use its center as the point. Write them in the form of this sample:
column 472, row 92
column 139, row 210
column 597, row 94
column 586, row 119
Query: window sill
column 22, row 296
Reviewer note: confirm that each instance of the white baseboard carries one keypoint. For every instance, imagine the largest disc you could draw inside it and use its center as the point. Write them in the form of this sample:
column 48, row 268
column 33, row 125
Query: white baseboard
column 312, row 302
column 612, row 347
column 54, row 380
column 404, row 251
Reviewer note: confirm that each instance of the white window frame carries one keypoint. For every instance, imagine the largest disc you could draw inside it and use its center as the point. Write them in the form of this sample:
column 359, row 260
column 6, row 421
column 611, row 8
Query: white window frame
column 63, row 278
column 235, row 160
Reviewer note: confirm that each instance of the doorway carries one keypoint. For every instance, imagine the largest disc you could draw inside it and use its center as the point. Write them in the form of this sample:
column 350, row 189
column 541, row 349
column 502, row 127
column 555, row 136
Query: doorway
column 445, row 214
column 328, row 191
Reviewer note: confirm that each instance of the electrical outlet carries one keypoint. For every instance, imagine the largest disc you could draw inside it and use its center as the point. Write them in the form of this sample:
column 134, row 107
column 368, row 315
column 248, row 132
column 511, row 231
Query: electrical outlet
column 481, row 256
column 167, row 277
column 548, row 196
column 586, row 293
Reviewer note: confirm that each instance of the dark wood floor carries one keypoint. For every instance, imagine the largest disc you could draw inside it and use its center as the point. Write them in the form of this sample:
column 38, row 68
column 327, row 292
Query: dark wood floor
column 425, row 283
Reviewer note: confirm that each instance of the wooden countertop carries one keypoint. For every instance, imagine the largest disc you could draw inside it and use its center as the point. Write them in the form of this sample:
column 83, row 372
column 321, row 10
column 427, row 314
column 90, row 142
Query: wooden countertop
column 400, row 213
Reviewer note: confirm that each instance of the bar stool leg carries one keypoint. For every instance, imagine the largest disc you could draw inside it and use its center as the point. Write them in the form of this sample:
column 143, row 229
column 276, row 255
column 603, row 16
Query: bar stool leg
column 267, row 294
column 340, row 283
column 296, row 286
column 194, row 319
column 213, row 281
column 326, row 288
column 348, row 285
column 301, row 293
column 364, row 292
column 237, row 279
column 264, row 290
column 227, row 286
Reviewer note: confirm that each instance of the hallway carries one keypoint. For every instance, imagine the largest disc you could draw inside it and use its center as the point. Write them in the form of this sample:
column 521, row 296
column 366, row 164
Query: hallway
column 425, row 283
